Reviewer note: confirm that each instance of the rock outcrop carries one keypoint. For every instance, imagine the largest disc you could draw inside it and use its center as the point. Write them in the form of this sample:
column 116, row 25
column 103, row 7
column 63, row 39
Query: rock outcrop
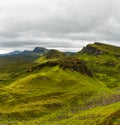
column 71, row 63
column 92, row 50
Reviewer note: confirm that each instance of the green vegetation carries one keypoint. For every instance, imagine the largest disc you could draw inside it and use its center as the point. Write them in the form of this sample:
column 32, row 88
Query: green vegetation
column 55, row 89
column 106, row 66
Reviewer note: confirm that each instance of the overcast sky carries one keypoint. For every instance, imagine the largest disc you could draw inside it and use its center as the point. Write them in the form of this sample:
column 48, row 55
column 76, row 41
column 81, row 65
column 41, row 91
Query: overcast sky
column 61, row 24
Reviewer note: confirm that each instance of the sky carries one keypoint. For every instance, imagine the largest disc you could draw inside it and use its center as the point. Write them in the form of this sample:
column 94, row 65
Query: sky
column 66, row 25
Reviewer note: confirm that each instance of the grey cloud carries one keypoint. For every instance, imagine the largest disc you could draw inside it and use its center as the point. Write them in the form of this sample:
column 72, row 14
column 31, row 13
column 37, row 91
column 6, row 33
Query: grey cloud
column 59, row 24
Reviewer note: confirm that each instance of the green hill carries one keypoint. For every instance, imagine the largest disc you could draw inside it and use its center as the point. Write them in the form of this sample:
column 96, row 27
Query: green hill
column 101, row 48
column 104, row 61
column 52, row 55
column 55, row 89
column 14, row 63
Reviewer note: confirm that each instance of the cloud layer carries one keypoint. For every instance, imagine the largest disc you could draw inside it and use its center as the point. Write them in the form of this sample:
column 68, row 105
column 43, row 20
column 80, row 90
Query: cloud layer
column 61, row 24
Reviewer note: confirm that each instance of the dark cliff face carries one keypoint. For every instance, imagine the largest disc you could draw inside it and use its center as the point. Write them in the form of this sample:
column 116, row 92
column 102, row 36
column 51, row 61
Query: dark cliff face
column 71, row 63
column 92, row 50
column 100, row 49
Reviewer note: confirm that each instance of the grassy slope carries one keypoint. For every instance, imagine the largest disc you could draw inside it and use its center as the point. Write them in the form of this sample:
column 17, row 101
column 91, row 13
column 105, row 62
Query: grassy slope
column 106, row 67
column 46, row 92
column 12, row 65
column 108, row 48
column 53, row 96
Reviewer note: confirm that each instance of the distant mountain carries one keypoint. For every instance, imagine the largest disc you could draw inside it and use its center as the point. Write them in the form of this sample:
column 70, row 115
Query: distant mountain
column 14, row 53
column 19, row 60
column 37, row 50
column 26, row 52
column 11, row 53
column 40, row 50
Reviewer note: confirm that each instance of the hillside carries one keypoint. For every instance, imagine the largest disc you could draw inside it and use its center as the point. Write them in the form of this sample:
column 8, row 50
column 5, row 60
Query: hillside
column 17, row 61
column 101, row 48
column 57, row 89
column 52, row 55
column 104, row 61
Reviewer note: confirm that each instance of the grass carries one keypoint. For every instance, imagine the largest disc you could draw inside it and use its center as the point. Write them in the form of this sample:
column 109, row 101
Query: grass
column 57, row 96
column 51, row 90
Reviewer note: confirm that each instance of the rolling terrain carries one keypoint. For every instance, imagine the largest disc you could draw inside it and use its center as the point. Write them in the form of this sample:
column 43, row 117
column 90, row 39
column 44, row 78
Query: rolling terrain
column 54, row 88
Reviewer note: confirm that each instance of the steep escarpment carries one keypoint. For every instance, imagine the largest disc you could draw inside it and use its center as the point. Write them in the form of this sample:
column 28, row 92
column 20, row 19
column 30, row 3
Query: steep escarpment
column 91, row 49
column 101, row 48
column 71, row 63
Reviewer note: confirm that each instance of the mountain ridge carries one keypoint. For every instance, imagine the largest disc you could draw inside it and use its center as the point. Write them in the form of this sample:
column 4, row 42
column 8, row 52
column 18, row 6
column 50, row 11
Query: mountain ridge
column 100, row 48
column 43, row 50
